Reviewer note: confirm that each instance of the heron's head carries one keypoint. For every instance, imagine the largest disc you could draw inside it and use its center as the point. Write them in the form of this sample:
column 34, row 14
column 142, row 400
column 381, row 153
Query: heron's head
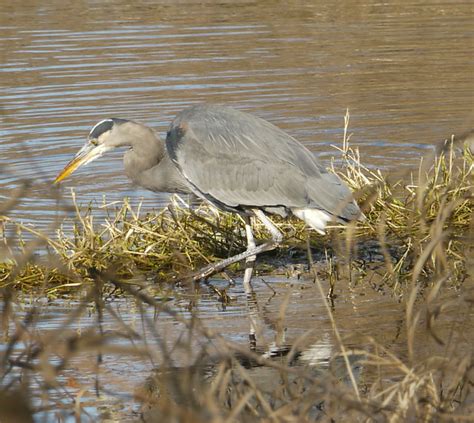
column 104, row 136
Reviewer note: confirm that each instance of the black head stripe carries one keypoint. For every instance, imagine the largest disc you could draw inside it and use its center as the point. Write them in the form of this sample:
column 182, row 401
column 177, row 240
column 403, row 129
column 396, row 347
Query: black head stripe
column 118, row 121
column 104, row 126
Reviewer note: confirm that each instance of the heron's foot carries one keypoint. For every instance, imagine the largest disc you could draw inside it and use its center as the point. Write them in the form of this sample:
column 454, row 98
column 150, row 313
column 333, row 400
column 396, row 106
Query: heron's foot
column 205, row 272
column 210, row 269
column 202, row 275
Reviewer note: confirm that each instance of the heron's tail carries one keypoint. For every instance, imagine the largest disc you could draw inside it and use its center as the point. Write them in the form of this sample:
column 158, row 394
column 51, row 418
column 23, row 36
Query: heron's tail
column 317, row 219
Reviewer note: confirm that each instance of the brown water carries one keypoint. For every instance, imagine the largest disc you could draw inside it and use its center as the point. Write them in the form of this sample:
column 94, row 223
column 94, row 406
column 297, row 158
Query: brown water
column 122, row 373
column 405, row 72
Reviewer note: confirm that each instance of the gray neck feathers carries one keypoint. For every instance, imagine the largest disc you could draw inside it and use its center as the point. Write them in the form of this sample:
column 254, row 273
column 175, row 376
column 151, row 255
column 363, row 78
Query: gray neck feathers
column 146, row 149
column 148, row 165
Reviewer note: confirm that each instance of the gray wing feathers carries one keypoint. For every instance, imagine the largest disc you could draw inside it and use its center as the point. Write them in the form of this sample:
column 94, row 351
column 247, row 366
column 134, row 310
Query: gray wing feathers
column 241, row 160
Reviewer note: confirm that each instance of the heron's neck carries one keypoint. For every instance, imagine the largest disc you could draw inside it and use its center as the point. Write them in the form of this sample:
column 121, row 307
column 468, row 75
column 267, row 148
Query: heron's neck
column 148, row 165
column 146, row 151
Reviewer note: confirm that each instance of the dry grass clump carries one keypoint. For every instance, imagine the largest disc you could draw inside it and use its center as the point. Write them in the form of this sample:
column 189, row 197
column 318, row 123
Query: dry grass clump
column 422, row 221
column 168, row 243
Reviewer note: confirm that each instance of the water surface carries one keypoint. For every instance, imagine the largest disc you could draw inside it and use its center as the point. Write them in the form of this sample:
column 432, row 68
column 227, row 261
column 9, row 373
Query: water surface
column 366, row 319
column 403, row 71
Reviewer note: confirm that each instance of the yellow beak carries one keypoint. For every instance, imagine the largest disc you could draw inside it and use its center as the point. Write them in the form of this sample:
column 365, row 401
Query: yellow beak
column 85, row 155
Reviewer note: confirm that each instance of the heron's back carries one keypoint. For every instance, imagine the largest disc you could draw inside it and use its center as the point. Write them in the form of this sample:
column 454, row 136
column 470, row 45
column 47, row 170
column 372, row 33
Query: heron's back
column 240, row 161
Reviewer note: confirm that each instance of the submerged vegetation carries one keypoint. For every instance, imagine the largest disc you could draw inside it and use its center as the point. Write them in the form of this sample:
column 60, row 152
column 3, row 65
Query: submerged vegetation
column 416, row 245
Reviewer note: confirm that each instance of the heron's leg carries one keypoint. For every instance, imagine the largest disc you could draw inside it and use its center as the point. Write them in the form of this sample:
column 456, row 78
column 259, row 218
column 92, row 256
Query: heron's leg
column 250, row 260
column 277, row 237
column 252, row 305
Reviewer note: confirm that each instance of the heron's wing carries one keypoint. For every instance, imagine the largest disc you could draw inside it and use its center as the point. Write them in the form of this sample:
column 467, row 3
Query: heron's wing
column 241, row 160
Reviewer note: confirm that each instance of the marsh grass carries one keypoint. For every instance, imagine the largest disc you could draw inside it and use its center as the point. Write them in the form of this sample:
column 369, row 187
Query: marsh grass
column 415, row 245
column 406, row 220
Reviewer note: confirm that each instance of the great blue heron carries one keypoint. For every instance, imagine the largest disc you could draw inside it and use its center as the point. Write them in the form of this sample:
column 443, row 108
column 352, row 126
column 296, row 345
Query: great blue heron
column 234, row 160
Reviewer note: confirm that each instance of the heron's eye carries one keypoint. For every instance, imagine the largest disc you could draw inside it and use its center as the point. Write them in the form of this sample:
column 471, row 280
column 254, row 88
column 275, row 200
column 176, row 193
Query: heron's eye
column 94, row 142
